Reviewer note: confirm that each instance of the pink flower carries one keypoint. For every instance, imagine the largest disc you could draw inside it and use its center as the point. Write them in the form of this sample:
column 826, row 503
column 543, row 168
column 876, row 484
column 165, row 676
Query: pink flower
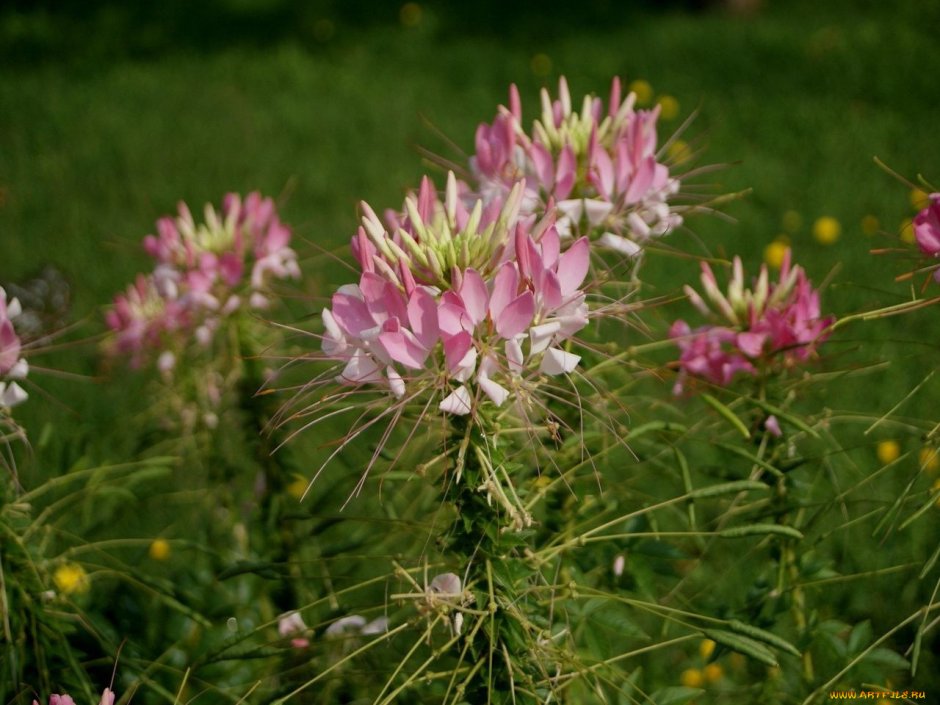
column 769, row 325
column 927, row 230
column 458, row 302
column 13, row 366
column 598, row 170
column 200, row 276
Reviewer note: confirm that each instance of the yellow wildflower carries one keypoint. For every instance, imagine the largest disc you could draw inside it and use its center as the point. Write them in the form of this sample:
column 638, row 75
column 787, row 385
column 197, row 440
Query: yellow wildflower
column 643, row 90
column 907, row 231
column 70, row 578
column 297, row 488
column 668, row 107
column 692, row 678
column 826, row 230
column 929, row 459
column 919, row 199
column 679, row 152
column 774, row 253
column 888, row 451
column 159, row 549
column 713, row 672
column 706, row 648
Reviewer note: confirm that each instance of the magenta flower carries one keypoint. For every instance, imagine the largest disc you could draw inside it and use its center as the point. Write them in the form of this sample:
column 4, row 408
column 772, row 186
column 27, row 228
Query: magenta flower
column 597, row 169
column 107, row 698
column 13, row 366
column 927, row 231
column 771, row 325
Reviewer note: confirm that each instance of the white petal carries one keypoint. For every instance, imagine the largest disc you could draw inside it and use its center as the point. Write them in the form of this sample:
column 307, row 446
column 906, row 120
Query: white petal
column 620, row 244
column 497, row 393
column 19, row 370
column 457, row 402
column 446, row 584
column 638, row 226
column 14, row 308
column 361, row 368
column 353, row 622
column 597, row 211
column 541, row 335
column 514, row 356
column 556, row 362
column 395, row 381
column 572, row 208
column 12, row 395
column 379, row 625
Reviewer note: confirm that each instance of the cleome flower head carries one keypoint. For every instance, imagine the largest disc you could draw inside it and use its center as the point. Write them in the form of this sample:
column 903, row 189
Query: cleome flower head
column 430, row 237
column 597, row 168
column 472, row 322
column 13, row 366
column 772, row 324
column 927, row 231
column 204, row 272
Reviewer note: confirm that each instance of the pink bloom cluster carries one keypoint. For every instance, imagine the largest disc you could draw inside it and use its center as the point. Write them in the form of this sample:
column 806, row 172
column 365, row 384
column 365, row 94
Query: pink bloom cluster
column 452, row 301
column 13, row 366
column 107, row 698
column 204, row 272
column 771, row 324
column 927, row 231
column 597, row 168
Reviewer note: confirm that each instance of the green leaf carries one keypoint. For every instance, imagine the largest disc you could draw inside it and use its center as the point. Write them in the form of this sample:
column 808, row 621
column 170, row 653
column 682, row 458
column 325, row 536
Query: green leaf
column 729, row 488
column 860, row 637
column 759, row 530
column 764, row 636
column 728, row 414
column 675, row 695
column 887, row 658
column 743, row 645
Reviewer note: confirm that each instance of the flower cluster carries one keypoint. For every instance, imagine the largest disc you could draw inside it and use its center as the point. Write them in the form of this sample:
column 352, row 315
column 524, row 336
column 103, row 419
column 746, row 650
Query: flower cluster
column 598, row 169
column 204, row 272
column 473, row 304
column 771, row 324
column 927, row 231
column 13, row 366
column 107, row 698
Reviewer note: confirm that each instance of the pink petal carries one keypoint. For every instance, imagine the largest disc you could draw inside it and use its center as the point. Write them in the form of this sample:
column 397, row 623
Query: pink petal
column 573, row 266
column 516, row 317
column 505, row 289
column 422, row 317
column 455, row 348
column 474, row 295
column 351, row 314
column 565, row 173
